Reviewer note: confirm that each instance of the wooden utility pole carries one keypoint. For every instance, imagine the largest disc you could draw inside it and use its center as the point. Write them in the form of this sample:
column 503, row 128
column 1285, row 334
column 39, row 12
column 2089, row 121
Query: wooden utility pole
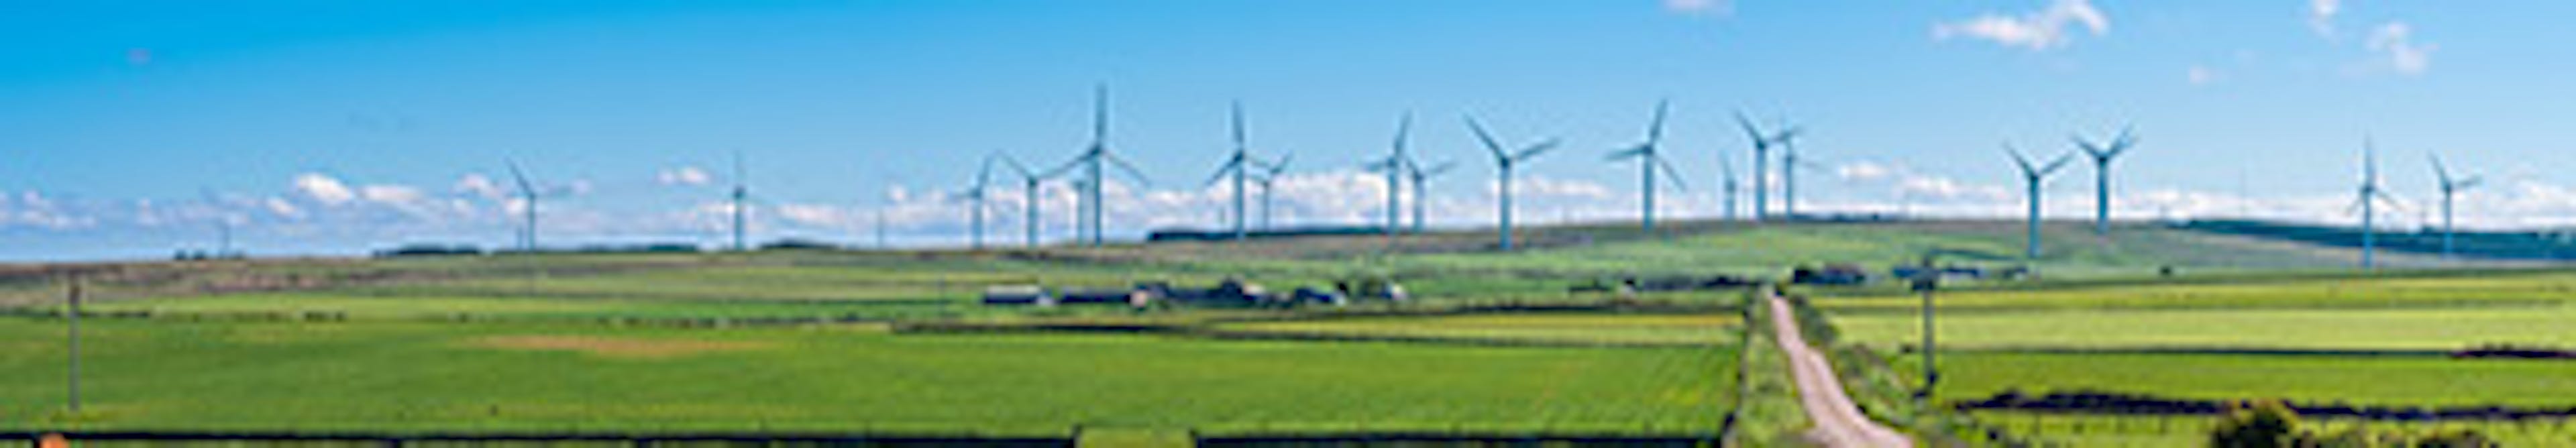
column 73, row 313
column 1927, row 278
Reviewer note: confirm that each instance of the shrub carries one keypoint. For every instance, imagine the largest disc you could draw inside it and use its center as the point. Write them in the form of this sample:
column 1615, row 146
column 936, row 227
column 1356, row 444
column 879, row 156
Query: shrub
column 2266, row 424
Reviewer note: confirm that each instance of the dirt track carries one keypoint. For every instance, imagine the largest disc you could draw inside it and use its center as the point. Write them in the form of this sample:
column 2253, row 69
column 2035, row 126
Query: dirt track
column 1839, row 423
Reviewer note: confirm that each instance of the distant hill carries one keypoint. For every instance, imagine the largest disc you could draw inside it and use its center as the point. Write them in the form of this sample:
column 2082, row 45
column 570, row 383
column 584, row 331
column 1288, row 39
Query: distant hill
column 2551, row 245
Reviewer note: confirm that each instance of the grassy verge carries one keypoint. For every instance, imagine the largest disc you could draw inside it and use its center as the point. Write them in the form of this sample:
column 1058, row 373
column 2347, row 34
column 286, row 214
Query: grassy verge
column 1767, row 411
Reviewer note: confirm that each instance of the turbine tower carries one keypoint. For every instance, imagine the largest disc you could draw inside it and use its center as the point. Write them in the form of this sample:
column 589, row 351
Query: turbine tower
column 2450, row 186
column 1789, row 165
column 527, row 194
column 1727, row 184
column 2032, row 177
column 2366, row 198
column 977, row 195
column 1394, row 167
column 1421, row 178
column 1093, row 162
column 1029, row 184
column 741, row 194
column 1238, row 167
column 1648, row 161
column 1503, row 163
column 1269, row 179
column 2102, row 156
column 1762, row 144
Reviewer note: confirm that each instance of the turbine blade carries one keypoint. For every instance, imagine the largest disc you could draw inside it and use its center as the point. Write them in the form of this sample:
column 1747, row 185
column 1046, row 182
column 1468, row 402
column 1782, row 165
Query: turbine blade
column 1100, row 114
column 1535, row 150
column 1282, row 164
column 1014, row 164
column 1751, row 132
column 2059, row 162
column 1238, row 126
column 1435, row 170
column 1486, row 137
column 1131, row 170
column 525, row 188
column 2019, row 159
column 1403, row 131
column 1628, row 153
column 1066, row 168
column 2440, row 173
column 2128, row 138
column 1655, row 132
column 1673, row 175
column 1220, row 174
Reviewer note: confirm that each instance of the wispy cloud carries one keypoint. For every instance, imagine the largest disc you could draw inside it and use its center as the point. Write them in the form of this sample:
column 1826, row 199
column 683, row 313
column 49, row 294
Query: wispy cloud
column 2321, row 16
column 324, row 189
column 683, row 176
column 2046, row 29
column 2394, row 45
column 2200, row 75
column 1700, row 7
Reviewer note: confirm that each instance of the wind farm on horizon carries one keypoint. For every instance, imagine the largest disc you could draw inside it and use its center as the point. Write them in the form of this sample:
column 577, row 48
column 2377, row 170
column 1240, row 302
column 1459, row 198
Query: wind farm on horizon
column 1406, row 173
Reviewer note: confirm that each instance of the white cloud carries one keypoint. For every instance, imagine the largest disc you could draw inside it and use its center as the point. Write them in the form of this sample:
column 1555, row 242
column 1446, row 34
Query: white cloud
column 389, row 194
column 479, row 186
column 1700, row 7
column 2395, row 43
column 2200, row 75
column 2046, row 29
column 324, row 189
column 2321, row 14
column 686, row 175
column 1863, row 171
column 1547, row 187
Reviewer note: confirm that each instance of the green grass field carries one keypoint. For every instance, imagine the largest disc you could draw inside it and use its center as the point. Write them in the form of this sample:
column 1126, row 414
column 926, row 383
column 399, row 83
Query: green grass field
column 1536, row 327
column 2372, row 380
column 582, row 341
column 529, row 377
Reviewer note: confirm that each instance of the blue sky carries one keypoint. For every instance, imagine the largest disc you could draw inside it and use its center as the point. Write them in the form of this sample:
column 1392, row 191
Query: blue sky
column 128, row 128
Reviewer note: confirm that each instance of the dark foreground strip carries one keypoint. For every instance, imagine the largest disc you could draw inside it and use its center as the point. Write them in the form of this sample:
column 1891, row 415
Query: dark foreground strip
column 1460, row 440
column 636, row 439
column 2141, row 404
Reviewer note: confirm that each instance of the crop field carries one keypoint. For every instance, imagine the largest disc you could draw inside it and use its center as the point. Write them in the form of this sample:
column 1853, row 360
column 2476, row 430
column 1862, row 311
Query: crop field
column 2157, row 431
column 530, row 377
column 1536, row 327
column 2312, row 339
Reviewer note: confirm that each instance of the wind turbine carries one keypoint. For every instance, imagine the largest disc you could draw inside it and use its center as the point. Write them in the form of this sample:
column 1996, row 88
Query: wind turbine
column 2369, row 195
column 1789, row 165
column 1093, row 162
column 1503, row 163
column 1239, row 167
column 1727, row 184
column 1029, row 184
column 2102, row 156
column 977, row 194
column 527, row 193
column 2450, row 186
column 1762, row 144
column 1648, row 161
column 1421, row 178
column 2032, row 177
column 1269, row 178
column 741, row 194
column 1394, row 167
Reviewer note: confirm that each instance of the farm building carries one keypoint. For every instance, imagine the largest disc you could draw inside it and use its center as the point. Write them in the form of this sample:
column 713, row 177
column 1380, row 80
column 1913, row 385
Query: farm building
column 1831, row 274
column 1030, row 295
